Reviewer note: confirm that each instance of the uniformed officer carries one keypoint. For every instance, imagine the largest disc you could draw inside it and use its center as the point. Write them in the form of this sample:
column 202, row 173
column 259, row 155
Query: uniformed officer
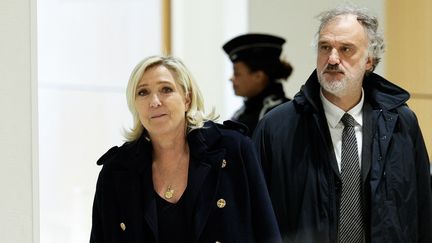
column 258, row 73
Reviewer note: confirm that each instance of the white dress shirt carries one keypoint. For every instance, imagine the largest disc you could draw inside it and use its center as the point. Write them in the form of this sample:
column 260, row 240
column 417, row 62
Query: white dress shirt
column 334, row 115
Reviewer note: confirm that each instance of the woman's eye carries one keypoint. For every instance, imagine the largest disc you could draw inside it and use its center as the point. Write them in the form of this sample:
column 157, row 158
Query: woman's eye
column 167, row 90
column 142, row 92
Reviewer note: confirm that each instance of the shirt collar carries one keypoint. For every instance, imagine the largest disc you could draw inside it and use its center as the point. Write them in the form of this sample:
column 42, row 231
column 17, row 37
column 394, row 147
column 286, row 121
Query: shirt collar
column 334, row 113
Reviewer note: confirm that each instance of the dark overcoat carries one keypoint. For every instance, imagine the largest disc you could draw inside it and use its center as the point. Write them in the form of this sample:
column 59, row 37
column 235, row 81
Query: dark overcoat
column 124, row 207
column 303, row 177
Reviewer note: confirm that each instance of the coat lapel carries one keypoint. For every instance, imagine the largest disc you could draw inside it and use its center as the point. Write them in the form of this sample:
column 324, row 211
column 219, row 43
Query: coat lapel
column 326, row 138
column 128, row 194
column 385, row 125
column 134, row 188
column 367, row 131
column 149, row 202
column 204, row 174
column 205, row 181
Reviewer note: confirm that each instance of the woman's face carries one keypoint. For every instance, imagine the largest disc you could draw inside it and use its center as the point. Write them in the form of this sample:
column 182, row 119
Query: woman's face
column 247, row 83
column 161, row 103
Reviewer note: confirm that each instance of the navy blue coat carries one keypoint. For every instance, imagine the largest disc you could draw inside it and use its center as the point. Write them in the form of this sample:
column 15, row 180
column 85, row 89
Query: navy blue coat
column 304, row 181
column 124, row 207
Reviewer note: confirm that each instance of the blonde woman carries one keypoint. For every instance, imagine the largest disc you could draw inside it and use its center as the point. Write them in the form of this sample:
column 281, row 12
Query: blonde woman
column 180, row 177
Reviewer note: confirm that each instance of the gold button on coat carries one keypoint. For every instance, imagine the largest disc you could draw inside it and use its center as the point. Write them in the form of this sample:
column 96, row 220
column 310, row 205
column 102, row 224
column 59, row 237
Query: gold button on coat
column 123, row 226
column 221, row 203
column 223, row 163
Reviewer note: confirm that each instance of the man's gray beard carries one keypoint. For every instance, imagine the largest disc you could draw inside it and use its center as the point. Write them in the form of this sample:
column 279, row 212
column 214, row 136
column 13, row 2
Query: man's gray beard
column 335, row 87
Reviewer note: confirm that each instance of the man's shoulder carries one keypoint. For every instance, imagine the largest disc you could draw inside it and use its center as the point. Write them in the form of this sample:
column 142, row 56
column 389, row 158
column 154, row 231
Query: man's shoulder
column 284, row 117
column 407, row 114
column 281, row 112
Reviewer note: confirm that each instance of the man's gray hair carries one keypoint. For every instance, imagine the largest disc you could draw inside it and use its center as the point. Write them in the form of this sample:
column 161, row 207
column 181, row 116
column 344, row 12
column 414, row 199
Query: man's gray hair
column 366, row 19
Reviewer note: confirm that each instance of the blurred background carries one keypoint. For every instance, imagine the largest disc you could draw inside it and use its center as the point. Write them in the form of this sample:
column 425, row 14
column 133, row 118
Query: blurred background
column 64, row 67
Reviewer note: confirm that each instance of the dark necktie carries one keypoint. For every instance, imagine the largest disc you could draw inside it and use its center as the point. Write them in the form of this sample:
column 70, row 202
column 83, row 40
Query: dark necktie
column 351, row 223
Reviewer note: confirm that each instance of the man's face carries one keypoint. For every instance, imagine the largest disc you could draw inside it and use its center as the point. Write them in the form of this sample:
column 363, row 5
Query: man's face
column 342, row 56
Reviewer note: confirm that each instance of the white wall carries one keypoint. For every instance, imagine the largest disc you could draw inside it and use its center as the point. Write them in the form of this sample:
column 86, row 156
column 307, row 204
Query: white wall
column 200, row 28
column 296, row 22
column 18, row 129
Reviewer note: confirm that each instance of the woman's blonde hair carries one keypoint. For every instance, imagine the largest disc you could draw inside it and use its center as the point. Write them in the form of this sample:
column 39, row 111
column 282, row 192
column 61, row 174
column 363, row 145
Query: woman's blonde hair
column 195, row 116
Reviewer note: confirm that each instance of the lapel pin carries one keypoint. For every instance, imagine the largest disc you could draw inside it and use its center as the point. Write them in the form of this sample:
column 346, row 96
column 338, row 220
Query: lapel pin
column 123, row 226
column 223, row 163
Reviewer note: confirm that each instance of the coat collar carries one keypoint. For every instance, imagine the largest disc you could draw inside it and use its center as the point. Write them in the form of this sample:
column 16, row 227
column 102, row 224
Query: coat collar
column 381, row 93
column 205, row 150
column 203, row 141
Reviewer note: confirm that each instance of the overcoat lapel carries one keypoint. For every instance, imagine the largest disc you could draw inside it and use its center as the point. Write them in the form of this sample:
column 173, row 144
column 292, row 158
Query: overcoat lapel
column 204, row 178
column 384, row 127
column 326, row 138
column 367, row 131
column 136, row 193
column 129, row 199
column 385, row 130
column 149, row 201
column 311, row 92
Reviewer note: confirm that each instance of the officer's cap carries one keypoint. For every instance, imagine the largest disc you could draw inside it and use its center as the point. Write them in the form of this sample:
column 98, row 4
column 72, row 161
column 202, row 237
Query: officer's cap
column 254, row 46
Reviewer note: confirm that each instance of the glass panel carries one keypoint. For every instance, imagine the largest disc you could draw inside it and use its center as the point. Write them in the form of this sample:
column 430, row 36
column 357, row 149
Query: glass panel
column 86, row 51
